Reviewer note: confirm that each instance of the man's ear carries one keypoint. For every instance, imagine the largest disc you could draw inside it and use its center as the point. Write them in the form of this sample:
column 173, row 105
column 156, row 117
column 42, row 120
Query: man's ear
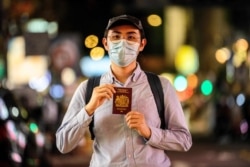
column 143, row 44
column 105, row 43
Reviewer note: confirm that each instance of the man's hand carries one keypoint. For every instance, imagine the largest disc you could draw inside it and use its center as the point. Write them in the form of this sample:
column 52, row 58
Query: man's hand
column 135, row 120
column 99, row 95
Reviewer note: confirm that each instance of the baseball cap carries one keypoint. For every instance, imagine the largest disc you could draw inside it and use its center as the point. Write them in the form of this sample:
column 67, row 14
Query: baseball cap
column 126, row 19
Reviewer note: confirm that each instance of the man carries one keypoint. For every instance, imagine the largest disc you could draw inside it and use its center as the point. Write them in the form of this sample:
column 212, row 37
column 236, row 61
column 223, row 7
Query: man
column 134, row 139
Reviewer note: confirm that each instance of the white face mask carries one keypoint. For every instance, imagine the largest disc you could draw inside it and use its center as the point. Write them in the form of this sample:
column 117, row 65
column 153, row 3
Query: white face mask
column 123, row 52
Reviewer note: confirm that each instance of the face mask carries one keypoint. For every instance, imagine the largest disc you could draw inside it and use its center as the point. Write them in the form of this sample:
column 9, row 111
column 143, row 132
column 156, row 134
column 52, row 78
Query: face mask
column 123, row 52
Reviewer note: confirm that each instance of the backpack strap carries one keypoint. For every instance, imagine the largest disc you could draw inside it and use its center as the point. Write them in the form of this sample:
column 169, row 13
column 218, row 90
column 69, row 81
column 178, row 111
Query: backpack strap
column 157, row 90
column 92, row 82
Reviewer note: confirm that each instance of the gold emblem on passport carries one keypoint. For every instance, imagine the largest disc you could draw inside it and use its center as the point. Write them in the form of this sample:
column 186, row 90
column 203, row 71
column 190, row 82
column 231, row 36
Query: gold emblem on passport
column 122, row 100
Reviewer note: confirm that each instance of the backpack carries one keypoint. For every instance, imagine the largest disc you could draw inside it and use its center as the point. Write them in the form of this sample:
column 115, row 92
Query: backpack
column 156, row 89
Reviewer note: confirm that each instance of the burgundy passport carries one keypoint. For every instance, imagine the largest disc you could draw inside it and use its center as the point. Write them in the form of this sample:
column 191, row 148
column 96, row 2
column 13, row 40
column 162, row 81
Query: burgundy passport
column 122, row 100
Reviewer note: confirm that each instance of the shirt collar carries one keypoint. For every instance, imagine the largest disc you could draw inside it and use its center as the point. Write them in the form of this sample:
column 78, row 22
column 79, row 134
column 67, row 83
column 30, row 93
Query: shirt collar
column 135, row 75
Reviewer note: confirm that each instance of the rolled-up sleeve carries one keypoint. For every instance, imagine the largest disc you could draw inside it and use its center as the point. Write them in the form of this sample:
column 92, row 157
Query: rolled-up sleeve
column 176, row 137
column 75, row 122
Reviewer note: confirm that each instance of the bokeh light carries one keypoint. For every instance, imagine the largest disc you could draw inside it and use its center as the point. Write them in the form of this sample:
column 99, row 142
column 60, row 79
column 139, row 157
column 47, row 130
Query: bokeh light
column 154, row 20
column 90, row 67
column 186, row 60
column 68, row 76
column 206, row 87
column 2, row 68
column 180, row 83
column 241, row 45
column 192, row 80
column 37, row 25
column 222, row 55
column 16, row 157
column 56, row 91
column 240, row 99
column 40, row 84
column 240, row 48
column 244, row 127
column 97, row 53
column 185, row 94
column 4, row 113
column 91, row 41
column 14, row 112
column 33, row 127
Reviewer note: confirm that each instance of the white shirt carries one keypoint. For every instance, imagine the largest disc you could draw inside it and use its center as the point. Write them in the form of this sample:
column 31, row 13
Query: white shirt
column 116, row 145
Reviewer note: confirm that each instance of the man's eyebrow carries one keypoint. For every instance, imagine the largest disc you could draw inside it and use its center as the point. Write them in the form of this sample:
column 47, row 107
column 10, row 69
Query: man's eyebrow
column 131, row 32
column 118, row 32
column 114, row 31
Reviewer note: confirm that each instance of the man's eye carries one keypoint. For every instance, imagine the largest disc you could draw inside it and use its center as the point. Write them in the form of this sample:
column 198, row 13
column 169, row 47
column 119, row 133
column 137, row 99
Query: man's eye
column 131, row 38
column 116, row 37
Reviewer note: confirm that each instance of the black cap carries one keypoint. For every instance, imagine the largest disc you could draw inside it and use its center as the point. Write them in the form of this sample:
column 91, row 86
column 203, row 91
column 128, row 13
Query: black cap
column 126, row 19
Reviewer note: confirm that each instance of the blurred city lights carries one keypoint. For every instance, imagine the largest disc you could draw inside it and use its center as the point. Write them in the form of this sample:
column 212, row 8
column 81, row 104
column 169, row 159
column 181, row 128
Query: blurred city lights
column 154, row 20
column 229, row 72
column 244, row 127
column 2, row 68
column 21, row 140
column 68, row 76
column 239, row 58
column 52, row 29
column 184, row 86
column 185, row 31
column 15, row 111
column 40, row 83
column 240, row 48
column 4, row 113
column 185, row 94
column 97, row 53
column 186, row 60
column 24, row 113
column 222, row 55
column 206, row 87
column 56, row 91
column 33, row 127
column 169, row 76
column 240, row 99
column 180, row 83
column 180, row 45
column 16, row 157
column 241, row 45
column 91, row 41
column 37, row 25
column 22, row 68
column 10, row 126
column 192, row 80
column 40, row 139
column 89, row 67
column 40, row 25
column 176, row 23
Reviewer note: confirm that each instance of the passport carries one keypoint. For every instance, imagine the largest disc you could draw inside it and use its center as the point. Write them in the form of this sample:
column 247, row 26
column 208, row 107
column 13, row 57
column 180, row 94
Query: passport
column 122, row 100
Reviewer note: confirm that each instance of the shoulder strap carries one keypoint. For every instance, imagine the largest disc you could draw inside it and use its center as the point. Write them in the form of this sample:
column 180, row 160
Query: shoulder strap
column 157, row 90
column 92, row 82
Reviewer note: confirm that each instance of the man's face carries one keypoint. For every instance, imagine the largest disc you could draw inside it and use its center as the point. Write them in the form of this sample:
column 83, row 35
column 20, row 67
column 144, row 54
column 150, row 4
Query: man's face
column 127, row 32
